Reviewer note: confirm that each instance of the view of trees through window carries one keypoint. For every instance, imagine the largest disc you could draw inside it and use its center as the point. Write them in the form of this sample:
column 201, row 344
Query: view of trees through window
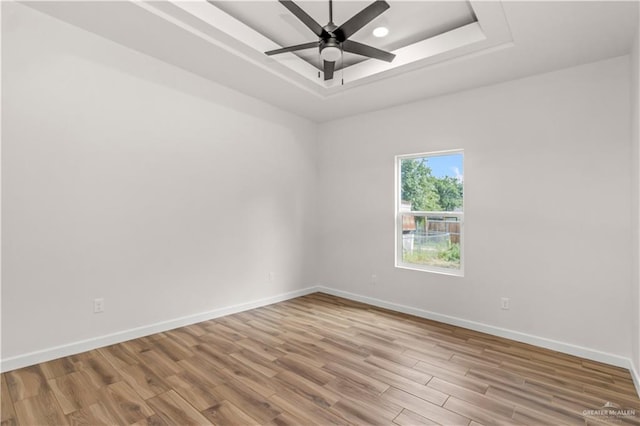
column 431, row 206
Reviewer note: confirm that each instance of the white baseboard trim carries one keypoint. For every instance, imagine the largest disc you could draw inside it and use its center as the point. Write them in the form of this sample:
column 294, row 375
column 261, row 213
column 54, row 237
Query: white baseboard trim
column 49, row 354
column 73, row 348
column 635, row 376
column 555, row 345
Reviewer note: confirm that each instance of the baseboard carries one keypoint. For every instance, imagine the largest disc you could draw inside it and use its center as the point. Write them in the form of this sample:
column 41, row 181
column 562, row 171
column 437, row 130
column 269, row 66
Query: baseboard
column 49, row 354
column 635, row 376
column 555, row 345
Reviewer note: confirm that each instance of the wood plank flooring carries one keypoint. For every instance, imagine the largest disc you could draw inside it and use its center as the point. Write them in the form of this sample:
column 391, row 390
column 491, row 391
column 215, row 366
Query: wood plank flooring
column 318, row 360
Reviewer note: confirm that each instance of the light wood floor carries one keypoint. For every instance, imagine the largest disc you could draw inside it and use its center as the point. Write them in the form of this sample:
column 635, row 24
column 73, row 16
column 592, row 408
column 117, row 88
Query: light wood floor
column 319, row 360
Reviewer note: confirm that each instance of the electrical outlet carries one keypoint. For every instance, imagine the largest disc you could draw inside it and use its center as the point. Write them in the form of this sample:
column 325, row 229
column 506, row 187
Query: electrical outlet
column 504, row 303
column 270, row 276
column 98, row 305
column 374, row 279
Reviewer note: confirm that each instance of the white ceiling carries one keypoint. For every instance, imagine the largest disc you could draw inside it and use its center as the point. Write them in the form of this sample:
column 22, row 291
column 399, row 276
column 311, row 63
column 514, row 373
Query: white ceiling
column 411, row 22
column 209, row 22
column 522, row 38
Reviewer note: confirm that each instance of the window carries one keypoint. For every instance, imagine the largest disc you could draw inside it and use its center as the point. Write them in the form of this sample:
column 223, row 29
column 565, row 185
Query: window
column 429, row 212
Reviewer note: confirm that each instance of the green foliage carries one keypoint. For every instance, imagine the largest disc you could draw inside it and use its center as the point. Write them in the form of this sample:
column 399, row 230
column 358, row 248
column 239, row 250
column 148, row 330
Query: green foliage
column 450, row 192
column 427, row 192
column 418, row 186
column 451, row 254
column 444, row 258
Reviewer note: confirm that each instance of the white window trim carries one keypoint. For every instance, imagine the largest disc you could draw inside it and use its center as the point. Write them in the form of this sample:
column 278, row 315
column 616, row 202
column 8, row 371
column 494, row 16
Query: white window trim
column 398, row 217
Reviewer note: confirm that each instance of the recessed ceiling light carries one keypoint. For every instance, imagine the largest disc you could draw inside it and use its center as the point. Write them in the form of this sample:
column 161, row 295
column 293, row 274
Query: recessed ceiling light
column 381, row 32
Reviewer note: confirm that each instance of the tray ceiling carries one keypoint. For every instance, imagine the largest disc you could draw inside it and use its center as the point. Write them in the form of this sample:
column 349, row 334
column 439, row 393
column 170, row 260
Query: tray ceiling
column 409, row 22
column 425, row 33
column 510, row 40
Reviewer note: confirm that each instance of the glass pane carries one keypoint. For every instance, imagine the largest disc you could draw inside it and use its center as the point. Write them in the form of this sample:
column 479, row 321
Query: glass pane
column 432, row 183
column 431, row 240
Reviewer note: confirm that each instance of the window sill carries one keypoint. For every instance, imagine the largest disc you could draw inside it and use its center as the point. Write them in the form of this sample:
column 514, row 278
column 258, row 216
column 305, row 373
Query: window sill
column 432, row 269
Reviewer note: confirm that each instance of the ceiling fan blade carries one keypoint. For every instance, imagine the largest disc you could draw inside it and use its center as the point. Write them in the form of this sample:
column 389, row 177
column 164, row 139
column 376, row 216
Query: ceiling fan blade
column 305, row 18
column 293, row 48
column 360, row 19
column 329, row 67
column 366, row 50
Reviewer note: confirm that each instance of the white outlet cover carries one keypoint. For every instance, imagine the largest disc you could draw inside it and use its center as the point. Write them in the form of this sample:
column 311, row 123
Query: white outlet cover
column 98, row 306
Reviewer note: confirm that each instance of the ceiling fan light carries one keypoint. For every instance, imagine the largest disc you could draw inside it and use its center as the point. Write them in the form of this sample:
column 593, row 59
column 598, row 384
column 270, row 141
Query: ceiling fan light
column 380, row 32
column 331, row 53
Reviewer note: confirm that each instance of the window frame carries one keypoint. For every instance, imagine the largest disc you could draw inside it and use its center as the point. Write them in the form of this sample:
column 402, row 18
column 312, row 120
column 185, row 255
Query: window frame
column 398, row 216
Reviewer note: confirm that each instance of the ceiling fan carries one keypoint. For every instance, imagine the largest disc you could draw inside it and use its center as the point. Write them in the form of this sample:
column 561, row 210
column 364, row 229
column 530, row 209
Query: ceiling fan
column 333, row 40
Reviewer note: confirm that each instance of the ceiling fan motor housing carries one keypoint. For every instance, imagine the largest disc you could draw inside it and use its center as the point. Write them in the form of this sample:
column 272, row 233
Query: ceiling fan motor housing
column 330, row 49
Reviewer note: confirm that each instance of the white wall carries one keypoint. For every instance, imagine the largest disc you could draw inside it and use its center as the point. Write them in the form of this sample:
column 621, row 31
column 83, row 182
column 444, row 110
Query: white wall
column 635, row 199
column 547, row 209
column 129, row 179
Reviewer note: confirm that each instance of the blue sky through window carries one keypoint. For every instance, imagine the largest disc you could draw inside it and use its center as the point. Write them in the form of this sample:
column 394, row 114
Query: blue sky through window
column 446, row 165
